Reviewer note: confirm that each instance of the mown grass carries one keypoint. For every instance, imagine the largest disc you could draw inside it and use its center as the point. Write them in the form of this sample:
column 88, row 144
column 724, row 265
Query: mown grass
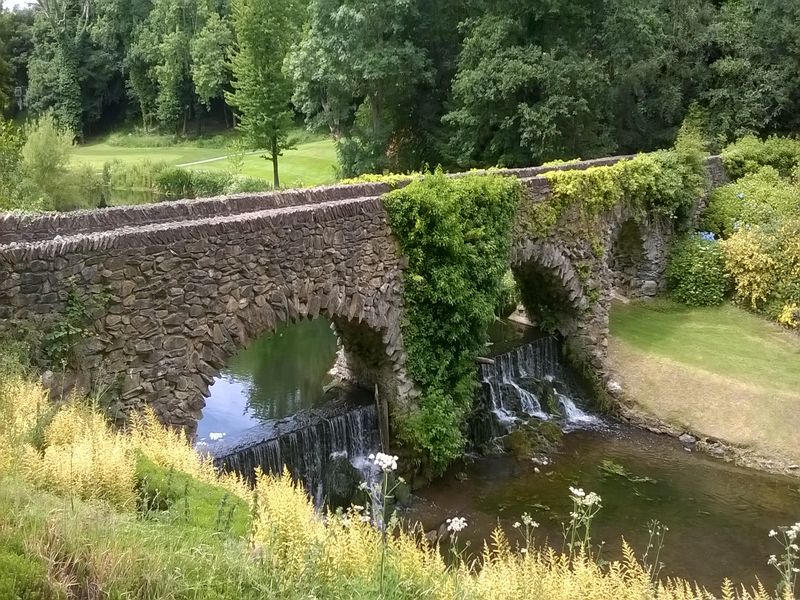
column 312, row 162
column 719, row 371
column 725, row 340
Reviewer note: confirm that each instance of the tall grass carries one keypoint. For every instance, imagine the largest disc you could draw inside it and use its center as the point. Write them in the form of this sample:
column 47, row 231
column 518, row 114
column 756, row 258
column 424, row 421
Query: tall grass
column 88, row 512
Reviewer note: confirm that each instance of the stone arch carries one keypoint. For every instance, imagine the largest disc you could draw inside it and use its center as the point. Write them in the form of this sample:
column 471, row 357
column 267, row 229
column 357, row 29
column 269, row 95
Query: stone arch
column 370, row 347
column 637, row 254
column 551, row 287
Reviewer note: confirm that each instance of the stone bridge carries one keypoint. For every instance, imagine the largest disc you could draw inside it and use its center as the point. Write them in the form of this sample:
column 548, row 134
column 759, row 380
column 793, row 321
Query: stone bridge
column 175, row 289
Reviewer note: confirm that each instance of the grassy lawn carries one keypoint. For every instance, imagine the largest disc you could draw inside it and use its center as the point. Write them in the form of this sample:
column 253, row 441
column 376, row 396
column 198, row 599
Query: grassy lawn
column 311, row 163
column 720, row 371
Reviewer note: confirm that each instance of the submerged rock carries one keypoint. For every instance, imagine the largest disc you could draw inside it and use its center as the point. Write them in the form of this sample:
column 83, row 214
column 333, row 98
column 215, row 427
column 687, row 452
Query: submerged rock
column 341, row 481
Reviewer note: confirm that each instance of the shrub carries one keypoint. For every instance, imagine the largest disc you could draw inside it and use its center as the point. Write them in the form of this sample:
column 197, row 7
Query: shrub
column 758, row 198
column 508, row 297
column 239, row 184
column 175, row 183
column 22, row 577
column 140, row 175
column 764, row 262
column 11, row 142
column 749, row 154
column 209, row 183
column 45, row 157
column 696, row 274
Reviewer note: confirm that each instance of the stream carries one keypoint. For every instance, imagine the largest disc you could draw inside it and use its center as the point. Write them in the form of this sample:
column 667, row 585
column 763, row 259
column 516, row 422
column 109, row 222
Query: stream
column 271, row 406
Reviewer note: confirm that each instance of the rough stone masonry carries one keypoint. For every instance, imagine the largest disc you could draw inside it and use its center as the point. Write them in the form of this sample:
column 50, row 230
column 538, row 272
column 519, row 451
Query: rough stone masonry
column 186, row 285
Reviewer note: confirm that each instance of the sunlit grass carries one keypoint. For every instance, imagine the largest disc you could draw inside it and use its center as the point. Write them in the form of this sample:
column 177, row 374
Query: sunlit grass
column 718, row 371
column 725, row 340
column 310, row 163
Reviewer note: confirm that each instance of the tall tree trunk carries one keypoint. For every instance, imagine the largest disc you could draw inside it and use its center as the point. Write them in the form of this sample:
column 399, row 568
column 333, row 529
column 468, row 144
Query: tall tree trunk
column 276, row 181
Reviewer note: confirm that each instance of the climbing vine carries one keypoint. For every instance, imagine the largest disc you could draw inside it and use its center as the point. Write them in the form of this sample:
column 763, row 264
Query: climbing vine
column 58, row 345
column 666, row 182
column 457, row 235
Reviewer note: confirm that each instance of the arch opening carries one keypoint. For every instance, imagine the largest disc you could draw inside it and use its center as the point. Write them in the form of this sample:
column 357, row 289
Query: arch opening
column 627, row 261
column 550, row 305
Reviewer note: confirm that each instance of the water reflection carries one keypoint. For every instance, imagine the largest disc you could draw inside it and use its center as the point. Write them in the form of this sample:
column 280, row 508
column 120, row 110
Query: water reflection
column 276, row 376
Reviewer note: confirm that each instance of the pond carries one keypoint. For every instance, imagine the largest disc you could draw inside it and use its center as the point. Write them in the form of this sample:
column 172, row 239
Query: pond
column 718, row 515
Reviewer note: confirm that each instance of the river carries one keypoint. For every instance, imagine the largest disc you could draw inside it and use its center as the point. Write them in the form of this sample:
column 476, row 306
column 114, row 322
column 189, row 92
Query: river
column 718, row 515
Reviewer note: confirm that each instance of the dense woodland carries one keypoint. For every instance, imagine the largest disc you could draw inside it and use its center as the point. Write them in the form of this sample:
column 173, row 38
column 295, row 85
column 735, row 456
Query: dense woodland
column 401, row 84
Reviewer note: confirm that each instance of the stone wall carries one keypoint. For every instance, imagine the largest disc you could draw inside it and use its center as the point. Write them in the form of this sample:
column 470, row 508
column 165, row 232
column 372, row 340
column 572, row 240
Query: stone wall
column 188, row 284
column 184, row 297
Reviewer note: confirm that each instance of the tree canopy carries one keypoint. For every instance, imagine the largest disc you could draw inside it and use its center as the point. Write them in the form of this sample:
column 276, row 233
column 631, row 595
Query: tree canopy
column 401, row 84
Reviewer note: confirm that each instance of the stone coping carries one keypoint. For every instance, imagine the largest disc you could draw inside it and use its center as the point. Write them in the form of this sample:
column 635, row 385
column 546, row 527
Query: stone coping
column 158, row 234
column 21, row 230
column 26, row 227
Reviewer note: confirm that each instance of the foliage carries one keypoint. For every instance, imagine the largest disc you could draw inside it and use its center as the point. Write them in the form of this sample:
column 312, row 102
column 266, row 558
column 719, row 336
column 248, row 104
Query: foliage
column 746, row 156
column 45, row 157
column 508, row 296
column 456, row 234
column 11, row 143
column 184, row 545
column 262, row 92
column 764, row 263
column 664, row 183
column 356, row 93
column 760, row 197
column 516, row 103
column 176, row 183
column 696, row 273
column 59, row 344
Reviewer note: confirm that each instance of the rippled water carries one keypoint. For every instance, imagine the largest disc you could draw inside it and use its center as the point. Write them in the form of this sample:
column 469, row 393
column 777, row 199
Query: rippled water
column 718, row 514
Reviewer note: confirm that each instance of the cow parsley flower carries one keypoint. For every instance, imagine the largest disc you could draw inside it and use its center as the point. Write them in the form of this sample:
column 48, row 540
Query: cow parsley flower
column 385, row 462
column 456, row 524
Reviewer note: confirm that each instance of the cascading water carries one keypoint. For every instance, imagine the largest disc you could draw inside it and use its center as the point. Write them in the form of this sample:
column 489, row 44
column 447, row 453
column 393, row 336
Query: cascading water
column 305, row 444
column 527, row 382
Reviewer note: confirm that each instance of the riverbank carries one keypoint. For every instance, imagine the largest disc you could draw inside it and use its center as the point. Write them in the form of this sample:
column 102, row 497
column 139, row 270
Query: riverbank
column 724, row 376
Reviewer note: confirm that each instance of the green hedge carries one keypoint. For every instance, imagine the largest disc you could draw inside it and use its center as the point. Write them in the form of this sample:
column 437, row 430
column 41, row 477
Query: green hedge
column 759, row 198
column 696, row 274
column 457, row 236
column 177, row 183
column 749, row 154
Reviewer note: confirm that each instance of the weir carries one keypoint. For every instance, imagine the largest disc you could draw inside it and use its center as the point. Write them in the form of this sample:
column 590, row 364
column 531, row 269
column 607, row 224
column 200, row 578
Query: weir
column 326, row 447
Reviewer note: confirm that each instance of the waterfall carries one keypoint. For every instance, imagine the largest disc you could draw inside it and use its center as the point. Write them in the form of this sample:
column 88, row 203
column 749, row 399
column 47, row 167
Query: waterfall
column 305, row 445
column 529, row 381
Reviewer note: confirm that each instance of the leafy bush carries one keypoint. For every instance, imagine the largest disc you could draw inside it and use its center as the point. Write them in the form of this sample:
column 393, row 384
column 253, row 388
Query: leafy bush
column 764, row 262
column 696, row 274
column 175, row 183
column 239, row 184
column 22, row 577
column 758, row 198
column 508, row 297
column 11, row 142
column 750, row 153
column 45, row 157
column 140, row 175
column 456, row 234
column 209, row 183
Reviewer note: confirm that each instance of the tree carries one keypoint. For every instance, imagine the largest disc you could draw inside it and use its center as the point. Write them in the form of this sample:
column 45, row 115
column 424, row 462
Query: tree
column 209, row 52
column 517, row 103
column 265, row 31
column 355, row 69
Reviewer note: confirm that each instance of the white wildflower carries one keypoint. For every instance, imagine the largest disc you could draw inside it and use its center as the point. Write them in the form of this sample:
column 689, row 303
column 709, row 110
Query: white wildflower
column 385, row 462
column 772, row 533
column 577, row 492
column 215, row 436
column 773, row 560
column 456, row 524
column 517, row 525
